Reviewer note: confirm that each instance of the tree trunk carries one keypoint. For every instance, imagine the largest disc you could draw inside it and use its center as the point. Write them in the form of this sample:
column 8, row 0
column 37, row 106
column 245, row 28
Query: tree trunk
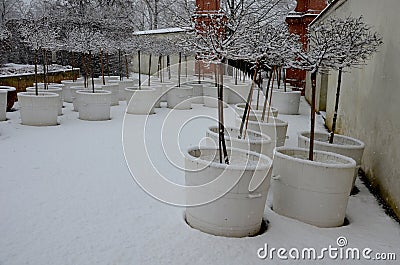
column 313, row 89
column 91, row 69
column 259, row 90
column 44, row 69
column 336, row 106
column 160, row 67
column 168, row 67
column 278, row 72
column 221, row 128
column 140, row 69
column 271, row 79
column 36, row 72
column 179, row 69
column 246, row 113
column 284, row 79
column 73, row 65
column 102, row 66
column 148, row 80
column 120, row 65
column 126, row 66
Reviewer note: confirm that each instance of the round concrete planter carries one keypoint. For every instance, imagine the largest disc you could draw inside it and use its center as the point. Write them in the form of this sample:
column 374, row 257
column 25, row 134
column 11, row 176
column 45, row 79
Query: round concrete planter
column 287, row 102
column 197, row 93
column 39, row 110
column 254, row 111
column 237, row 93
column 275, row 128
column 53, row 89
column 124, row 84
column 210, row 96
column 67, row 93
column 94, row 106
column 141, row 102
column 239, row 212
column 114, row 89
column 11, row 96
column 342, row 145
column 315, row 192
column 74, row 89
column 254, row 141
column 3, row 104
column 179, row 98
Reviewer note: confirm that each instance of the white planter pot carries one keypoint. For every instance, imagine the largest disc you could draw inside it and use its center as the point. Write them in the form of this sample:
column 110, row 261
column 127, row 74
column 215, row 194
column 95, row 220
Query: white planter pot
column 210, row 96
column 287, row 102
column 57, row 90
column 274, row 128
column 237, row 93
column 40, row 110
column 114, row 89
column 342, row 145
column 315, row 192
column 160, row 90
column 122, row 85
column 166, row 86
column 197, row 93
column 239, row 212
column 3, row 104
column 254, row 111
column 94, row 106
column 142, row 102
column 74, row 96
column 254, row 141
column 67, row 93
column 179, row 98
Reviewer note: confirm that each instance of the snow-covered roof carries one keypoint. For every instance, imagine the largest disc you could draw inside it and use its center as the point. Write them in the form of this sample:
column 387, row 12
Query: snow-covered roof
column 333, row 5
column 162, row 31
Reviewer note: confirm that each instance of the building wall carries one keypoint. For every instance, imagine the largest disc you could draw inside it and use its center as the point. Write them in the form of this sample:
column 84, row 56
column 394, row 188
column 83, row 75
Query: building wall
column 370, row 97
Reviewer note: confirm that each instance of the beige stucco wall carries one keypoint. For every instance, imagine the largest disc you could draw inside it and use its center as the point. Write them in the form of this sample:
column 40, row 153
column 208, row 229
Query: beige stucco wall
column 370, row 98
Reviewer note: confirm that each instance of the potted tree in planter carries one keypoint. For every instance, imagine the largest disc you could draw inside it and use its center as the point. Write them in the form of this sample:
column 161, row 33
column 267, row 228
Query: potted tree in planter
column 225, row 216
column 269, row 50
column 38, row 107
column 94, row 104
column 308, row 185
column 358, row 44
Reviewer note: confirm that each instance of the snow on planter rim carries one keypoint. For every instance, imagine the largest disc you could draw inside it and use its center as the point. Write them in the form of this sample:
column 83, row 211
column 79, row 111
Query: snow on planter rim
column 347, row 162
column 258, row 165
column 260, row 138
column 9, row 88
column 90, row 92
column 358, row 144
column 40, row 94
column 241, row 106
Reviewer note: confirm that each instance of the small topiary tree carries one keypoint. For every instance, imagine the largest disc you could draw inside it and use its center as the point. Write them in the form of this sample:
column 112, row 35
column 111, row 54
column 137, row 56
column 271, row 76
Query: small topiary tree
column 357, row 43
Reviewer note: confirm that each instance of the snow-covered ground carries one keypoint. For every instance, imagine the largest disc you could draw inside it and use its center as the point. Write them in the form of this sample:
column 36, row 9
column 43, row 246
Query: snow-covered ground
column 11, row 69
column 67, row 197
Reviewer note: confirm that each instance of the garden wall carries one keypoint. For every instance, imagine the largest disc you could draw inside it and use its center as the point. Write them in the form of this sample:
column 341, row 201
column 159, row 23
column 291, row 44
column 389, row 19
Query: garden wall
column 369, row 102
column 21, row 82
